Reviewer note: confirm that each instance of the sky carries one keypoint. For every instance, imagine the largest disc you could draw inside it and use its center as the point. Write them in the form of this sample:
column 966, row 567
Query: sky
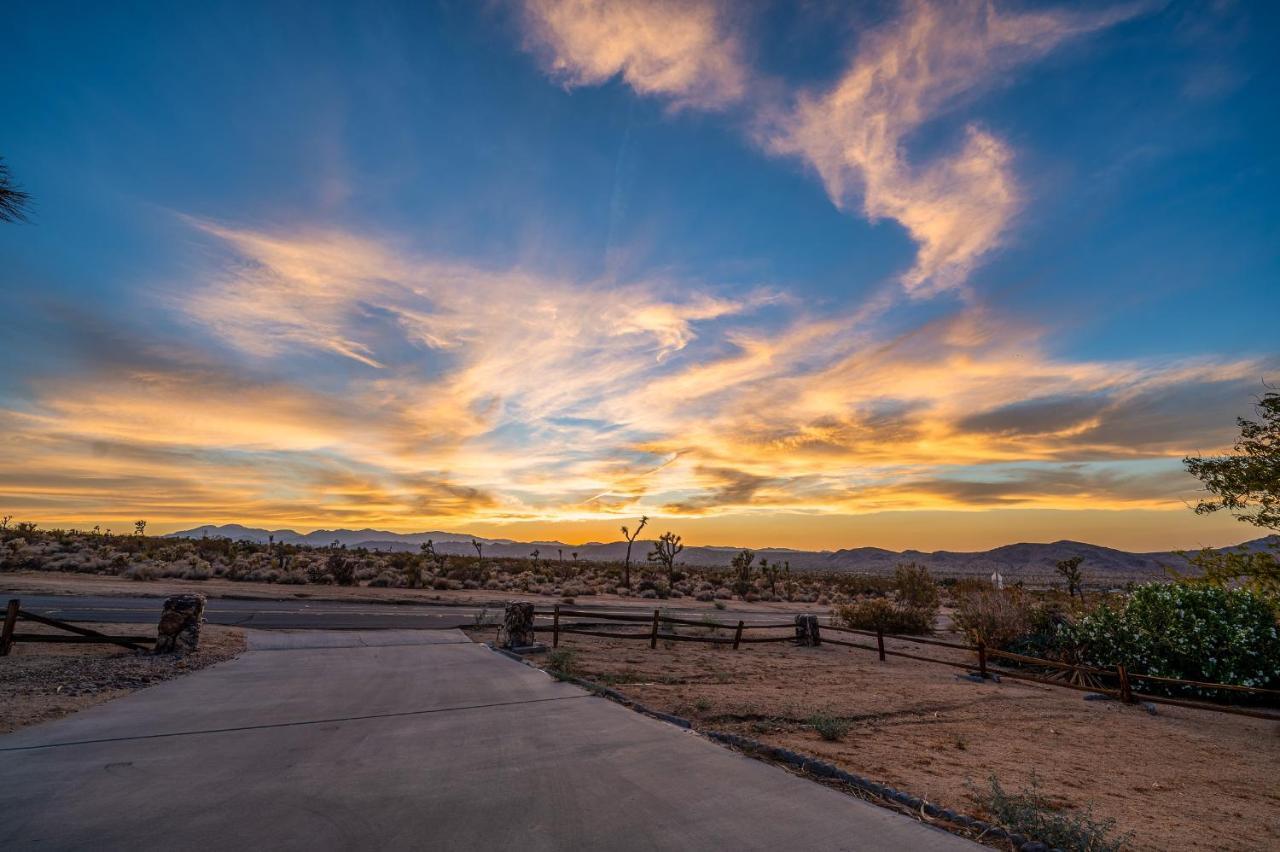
column 818, row 275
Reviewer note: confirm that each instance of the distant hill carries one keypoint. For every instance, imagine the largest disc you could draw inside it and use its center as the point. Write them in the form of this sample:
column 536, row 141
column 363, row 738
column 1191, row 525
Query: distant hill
column 1026, row 560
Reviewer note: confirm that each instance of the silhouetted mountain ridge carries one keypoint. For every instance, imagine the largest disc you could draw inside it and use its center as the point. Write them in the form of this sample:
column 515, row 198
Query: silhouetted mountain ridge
column 1021, row 560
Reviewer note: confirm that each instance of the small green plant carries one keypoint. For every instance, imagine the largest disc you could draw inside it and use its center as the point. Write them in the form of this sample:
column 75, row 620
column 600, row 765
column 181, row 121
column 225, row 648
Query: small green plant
column 1029, row 813
column 481, row 618
column 702, row 705
column 830, row 728
column 562, row 662
column 718, row 604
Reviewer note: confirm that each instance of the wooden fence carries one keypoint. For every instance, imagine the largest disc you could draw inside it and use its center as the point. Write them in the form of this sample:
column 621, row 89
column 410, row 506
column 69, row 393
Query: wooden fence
column 1075, row 676
column 15, row 613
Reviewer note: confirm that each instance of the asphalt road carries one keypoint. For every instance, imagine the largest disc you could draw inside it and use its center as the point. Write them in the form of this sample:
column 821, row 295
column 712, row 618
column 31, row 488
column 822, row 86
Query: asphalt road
column 328, row 615
column 405, row 740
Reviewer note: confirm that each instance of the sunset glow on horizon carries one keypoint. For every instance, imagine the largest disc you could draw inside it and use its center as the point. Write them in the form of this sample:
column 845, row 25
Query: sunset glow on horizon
column 921, row 275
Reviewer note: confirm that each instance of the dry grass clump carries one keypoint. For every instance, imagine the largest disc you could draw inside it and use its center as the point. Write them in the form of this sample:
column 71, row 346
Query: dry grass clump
column 995, row 617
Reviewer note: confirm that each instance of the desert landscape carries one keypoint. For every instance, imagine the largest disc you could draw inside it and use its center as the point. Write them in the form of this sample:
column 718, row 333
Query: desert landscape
column 640, row 425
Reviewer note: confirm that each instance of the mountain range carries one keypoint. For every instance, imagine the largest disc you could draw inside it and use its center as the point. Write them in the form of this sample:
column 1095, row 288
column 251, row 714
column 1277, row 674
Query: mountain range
column 1025, row 560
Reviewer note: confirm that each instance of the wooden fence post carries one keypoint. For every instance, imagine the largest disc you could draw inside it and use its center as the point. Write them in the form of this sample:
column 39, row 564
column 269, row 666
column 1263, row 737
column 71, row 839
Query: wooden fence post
column 1126, row 692
column 555, row 627
column 880, row 640
column 10, row 618
column 737, row 636
column 653, row 636
column 982, row 659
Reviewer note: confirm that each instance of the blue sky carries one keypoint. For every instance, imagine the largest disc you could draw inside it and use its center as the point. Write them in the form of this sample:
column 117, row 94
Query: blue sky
column 535, row 267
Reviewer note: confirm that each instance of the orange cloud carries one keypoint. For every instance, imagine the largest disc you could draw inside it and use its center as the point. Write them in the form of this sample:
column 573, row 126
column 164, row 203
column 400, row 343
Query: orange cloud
column 680, row 50
column 495, row 396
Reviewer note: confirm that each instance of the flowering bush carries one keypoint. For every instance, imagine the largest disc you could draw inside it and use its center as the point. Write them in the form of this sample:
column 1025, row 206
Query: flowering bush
column 1184, row 631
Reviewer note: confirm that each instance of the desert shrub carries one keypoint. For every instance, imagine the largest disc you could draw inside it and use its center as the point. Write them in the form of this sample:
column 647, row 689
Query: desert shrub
column 562, row 661
column 141, row 571
column 1175, row 630
column 996, row 617
column 960, row 588
column 1028, row 813
column 341, row 568
column 880, row 614
column 830, row 728
column 915, row 587
column 293, row 578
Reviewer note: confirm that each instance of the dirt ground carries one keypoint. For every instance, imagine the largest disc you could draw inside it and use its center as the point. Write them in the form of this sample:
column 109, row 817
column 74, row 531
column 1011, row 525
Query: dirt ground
column 1180, row 779
column 40, row 682
column 17, row 583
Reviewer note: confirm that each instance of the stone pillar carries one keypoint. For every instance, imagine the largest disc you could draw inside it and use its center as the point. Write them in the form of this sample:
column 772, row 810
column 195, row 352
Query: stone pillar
column 518, row 625
column 807, row 633
column 180, row 624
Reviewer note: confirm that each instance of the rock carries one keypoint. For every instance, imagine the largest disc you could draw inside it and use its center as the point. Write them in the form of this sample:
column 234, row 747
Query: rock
column 807, row 633
column 180, row 622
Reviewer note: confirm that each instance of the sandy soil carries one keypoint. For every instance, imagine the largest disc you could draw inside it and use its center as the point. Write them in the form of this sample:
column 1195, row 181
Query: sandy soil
column 16, row 583
column 41, row 682
column 1182, row 779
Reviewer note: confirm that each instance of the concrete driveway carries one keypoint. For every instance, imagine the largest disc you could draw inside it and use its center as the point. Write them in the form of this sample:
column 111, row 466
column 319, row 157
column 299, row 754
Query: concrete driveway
column 405, row 740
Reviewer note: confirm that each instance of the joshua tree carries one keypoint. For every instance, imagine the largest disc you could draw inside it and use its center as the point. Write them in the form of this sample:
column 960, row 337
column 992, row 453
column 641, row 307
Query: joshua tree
column 742, row 567
column 342, row 569
column 435, row 561
column 479, row 546
column 1069, row 570
column 631, row 537
column 13, row 201
column 665, row 550
column 140, row 527
column 772, row 571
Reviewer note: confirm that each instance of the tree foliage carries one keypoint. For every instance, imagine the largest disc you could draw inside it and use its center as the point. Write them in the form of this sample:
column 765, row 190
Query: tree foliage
column 13, row 201
column 1246, row 482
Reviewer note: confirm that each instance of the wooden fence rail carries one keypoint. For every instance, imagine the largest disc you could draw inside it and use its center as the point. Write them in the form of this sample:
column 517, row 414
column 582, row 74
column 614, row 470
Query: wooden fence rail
column 1122, row 691
column 15, row 613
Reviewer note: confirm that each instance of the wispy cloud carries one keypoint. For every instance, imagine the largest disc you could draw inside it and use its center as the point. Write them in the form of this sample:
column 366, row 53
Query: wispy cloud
column 679, row 49
column 461, row 394
column 934, row 58
column 930, row 60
